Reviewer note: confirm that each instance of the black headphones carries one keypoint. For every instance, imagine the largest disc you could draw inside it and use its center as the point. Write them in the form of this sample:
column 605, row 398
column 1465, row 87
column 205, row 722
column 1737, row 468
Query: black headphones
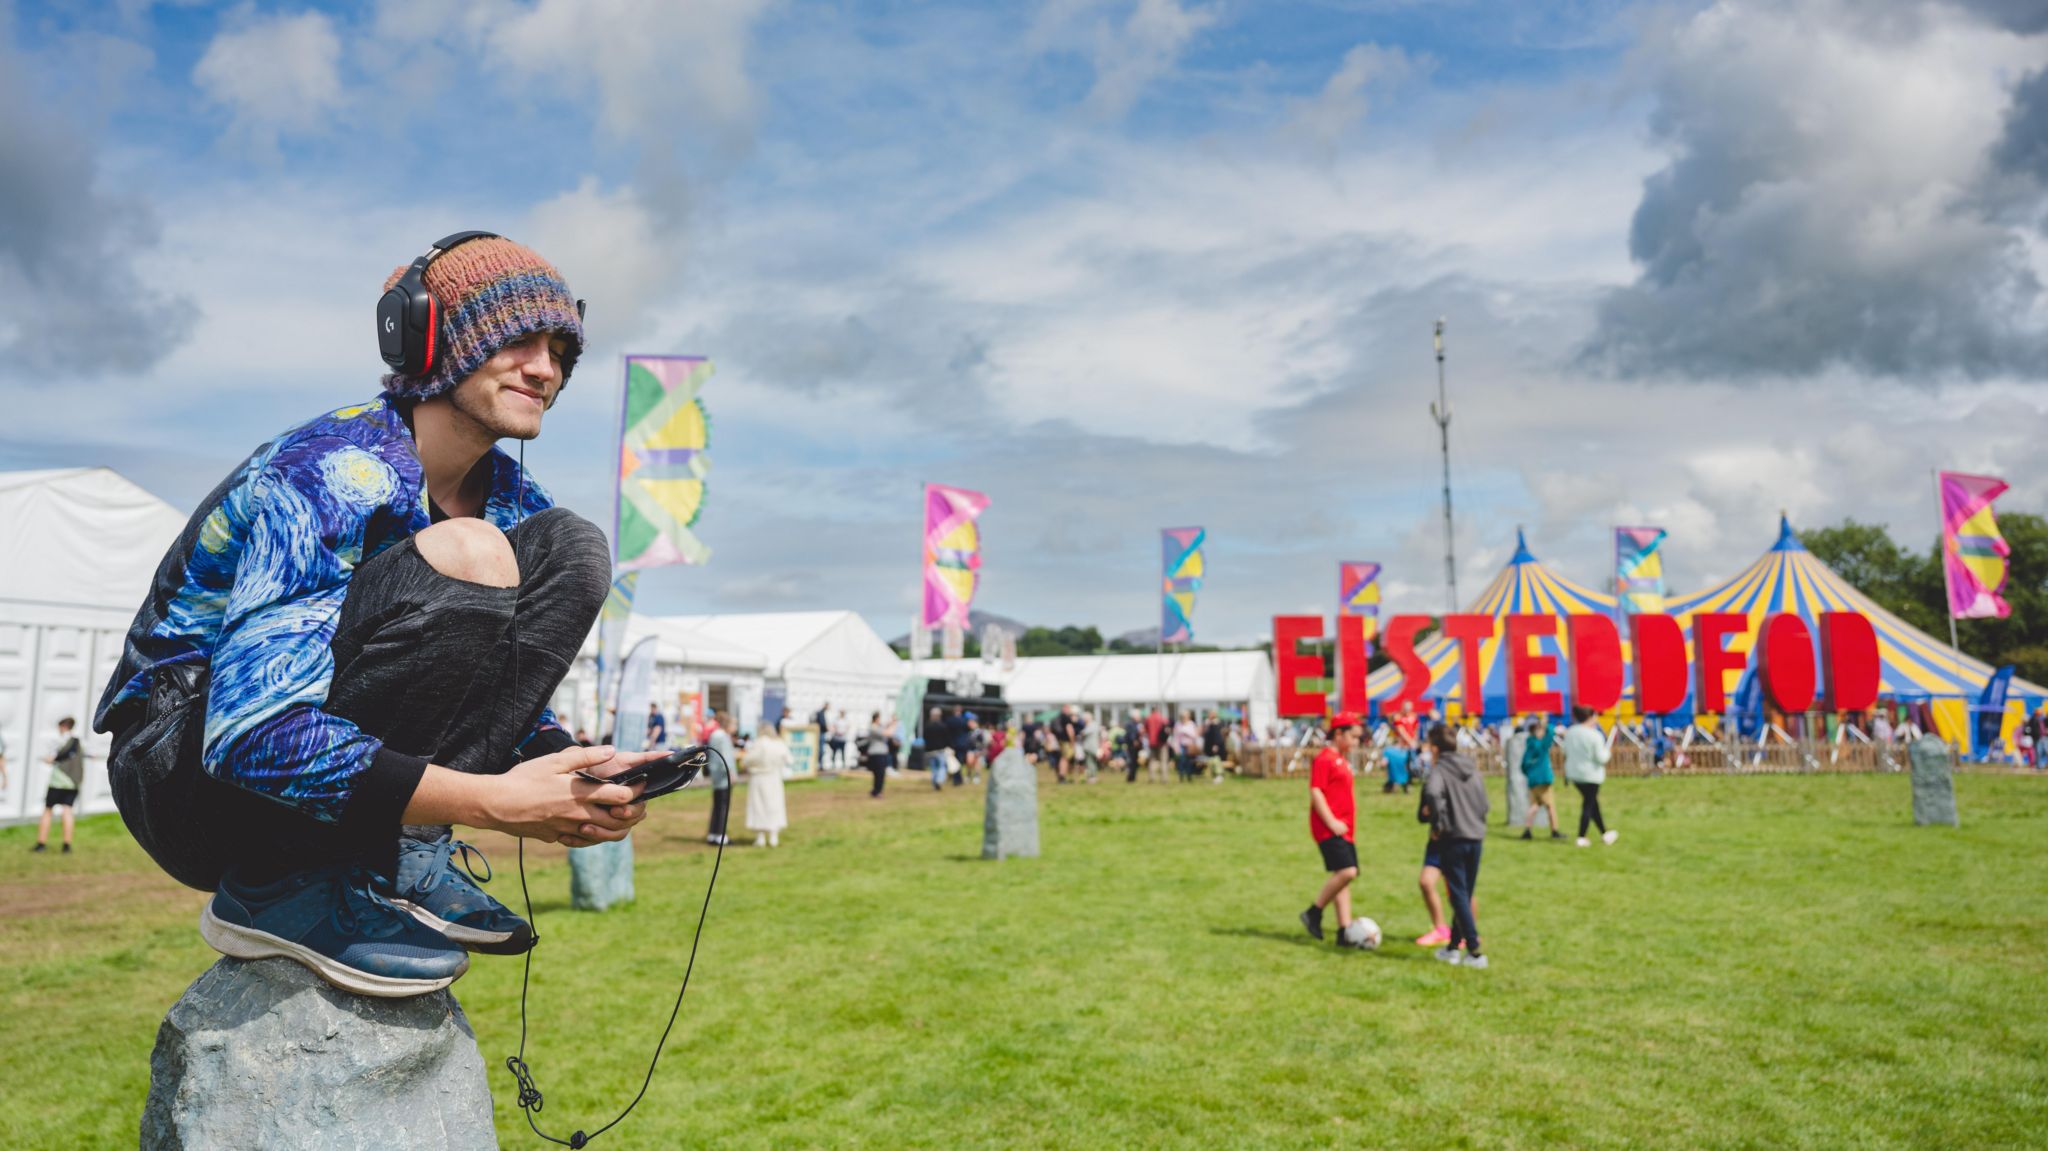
column 409, row 317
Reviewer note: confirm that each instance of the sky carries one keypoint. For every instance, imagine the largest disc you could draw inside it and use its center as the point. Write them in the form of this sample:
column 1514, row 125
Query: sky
column 1120, row 264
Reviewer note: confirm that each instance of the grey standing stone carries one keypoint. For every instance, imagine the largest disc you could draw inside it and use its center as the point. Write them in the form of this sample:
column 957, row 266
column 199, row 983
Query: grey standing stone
column 601, row 875
column 1010, row 825
column 264, row 1054
column 1518, row 784
column 1934, row 790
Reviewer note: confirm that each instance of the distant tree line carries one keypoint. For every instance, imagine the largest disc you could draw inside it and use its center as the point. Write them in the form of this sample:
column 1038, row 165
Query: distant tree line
column 1909, row 585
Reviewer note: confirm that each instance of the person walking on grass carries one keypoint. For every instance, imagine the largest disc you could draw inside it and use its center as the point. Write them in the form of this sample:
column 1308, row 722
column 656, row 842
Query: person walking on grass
column 764, row 760
column 1536, row 769
column 874, row 748
column 1454, row 805
column 1332, row 815
column 1586, row 753
column 67, row 775
column 724, row 761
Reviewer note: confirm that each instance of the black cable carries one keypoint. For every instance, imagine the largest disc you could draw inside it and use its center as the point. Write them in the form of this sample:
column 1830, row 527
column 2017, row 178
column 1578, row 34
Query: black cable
column 530, row 1099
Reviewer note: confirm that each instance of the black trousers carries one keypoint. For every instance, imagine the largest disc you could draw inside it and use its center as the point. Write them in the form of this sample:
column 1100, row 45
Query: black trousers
column 427, row 663
column 878, row 766
column 1458, row 859
column 721, row 809
column 1589, row 807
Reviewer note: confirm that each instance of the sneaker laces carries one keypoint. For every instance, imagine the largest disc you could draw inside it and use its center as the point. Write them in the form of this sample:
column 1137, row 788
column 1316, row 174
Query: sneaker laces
column 441, row 856
column 362, row 909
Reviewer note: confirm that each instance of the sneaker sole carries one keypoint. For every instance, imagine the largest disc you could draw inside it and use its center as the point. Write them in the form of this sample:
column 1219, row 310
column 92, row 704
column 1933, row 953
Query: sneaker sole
column 476, row 939
column 238, row 942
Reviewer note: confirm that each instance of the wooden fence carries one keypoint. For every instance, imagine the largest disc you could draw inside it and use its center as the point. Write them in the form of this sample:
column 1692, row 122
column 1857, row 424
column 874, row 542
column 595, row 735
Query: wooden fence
column 1776, row 758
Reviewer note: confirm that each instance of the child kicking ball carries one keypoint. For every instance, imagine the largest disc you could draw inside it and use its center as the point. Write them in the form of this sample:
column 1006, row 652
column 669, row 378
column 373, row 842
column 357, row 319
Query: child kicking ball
column 1332, row 812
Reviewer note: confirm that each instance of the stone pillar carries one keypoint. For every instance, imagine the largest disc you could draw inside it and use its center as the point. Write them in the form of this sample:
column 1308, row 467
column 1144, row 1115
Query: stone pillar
column 1010, row 825
column 1517, row 783
column 601, row 875
column 265, row 1054
column 1934, row 792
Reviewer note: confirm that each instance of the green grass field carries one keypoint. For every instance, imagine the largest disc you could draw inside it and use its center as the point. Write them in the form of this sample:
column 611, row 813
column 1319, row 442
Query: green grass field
column 1767, row 962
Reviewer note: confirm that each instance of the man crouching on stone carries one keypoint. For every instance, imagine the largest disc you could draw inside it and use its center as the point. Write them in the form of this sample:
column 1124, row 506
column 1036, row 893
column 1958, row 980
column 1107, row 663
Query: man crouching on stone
column 351, row 647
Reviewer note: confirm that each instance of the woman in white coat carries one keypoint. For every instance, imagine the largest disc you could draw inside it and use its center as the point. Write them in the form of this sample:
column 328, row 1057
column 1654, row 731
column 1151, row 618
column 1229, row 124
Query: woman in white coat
column 764, row 759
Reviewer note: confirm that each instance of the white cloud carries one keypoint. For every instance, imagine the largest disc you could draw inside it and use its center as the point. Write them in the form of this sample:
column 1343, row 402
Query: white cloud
column 276, row 75
column 612, row 251
column 1823, row 202
column 1342, row 105
column 1146, row 48
column 658, row 67
column 1128, row 55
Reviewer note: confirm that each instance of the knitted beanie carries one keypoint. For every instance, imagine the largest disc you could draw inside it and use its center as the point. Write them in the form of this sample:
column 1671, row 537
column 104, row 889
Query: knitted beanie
column 491, row 292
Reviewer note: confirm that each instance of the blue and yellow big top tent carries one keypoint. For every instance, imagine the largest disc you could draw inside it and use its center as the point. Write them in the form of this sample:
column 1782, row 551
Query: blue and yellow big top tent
column 1523, row 587
column 1915, row 667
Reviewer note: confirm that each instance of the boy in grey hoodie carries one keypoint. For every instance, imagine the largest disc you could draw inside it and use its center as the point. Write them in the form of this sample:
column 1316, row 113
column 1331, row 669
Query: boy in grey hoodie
column 1454, row 805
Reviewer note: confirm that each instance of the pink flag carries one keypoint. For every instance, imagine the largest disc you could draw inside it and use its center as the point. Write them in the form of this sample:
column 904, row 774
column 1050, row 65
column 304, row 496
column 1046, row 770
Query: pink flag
column 1973, row 552
column 952, row 553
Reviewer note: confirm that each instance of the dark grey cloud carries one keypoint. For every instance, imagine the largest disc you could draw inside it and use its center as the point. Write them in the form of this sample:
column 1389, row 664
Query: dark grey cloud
column 72, row 301
column 1813, row 217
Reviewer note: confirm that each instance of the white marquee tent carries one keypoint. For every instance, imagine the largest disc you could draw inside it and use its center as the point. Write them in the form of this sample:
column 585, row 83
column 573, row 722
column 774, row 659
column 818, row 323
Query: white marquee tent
column 691, row 669
column 78, row 547
column 1112, row 684
column 792, row 662
column 813, row 658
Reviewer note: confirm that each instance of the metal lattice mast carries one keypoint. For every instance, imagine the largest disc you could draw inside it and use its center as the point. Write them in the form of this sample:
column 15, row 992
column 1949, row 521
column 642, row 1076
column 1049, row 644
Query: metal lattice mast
column 1440, row 411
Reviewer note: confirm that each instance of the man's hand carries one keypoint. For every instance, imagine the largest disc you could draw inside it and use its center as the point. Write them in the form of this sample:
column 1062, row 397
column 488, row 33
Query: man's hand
column 1338, row 826
column 544, row 799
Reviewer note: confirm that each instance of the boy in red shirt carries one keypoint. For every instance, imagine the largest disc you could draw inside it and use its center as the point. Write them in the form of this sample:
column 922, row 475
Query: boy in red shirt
column 1332, row 807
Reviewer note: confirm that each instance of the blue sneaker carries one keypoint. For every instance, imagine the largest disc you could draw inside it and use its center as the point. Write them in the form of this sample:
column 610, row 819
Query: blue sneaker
column 334, row 921
column 447, row 898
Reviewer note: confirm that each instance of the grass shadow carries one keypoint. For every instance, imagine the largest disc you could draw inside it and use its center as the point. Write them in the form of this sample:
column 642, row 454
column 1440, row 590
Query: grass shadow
column 1301, row 939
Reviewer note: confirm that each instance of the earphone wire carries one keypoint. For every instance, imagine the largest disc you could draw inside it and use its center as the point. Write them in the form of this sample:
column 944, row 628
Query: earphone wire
column 530, row 1100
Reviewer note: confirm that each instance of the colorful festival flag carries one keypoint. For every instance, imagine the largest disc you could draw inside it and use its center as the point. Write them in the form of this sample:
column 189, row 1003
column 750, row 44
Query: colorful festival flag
column 1358, row 598
column 1182, row 552
column 1972, row 550
column 952, row 553
column 1639, row 570
column 663, row 437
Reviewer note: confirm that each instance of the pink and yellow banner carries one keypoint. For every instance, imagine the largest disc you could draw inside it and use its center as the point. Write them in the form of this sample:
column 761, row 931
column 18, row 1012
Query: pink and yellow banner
column 952, row 553
column 1973, row 553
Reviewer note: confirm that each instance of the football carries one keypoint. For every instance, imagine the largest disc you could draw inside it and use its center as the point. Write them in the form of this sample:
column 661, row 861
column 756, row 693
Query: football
column 1361, row 933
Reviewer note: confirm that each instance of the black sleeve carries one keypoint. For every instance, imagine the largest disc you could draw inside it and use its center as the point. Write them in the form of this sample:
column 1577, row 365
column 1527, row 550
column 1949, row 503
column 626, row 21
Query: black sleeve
column 379, row 796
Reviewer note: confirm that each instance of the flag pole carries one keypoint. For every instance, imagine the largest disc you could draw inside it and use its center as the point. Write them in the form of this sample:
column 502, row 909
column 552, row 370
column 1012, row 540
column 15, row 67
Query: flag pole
column 1948, row 592
column 924, row 499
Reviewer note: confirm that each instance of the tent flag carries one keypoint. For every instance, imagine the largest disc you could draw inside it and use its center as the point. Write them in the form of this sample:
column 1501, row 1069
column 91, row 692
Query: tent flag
column 1639, row 570
column 611, row 635
column 1181, row 549
column 663, row 437
column 1972, row 551
column 1358, row 598
column 952, row 553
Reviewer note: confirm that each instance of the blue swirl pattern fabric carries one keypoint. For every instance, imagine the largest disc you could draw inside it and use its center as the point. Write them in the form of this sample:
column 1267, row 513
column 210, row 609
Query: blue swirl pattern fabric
column 254, row 586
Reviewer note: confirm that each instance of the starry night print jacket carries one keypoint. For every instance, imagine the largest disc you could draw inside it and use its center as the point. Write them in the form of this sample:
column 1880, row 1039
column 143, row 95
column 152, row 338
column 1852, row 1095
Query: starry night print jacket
column 253, row 588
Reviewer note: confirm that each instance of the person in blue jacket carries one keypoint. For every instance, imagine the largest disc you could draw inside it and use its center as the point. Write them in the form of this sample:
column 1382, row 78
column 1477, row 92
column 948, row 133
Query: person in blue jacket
column 351, row 647
column 1542, row 779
